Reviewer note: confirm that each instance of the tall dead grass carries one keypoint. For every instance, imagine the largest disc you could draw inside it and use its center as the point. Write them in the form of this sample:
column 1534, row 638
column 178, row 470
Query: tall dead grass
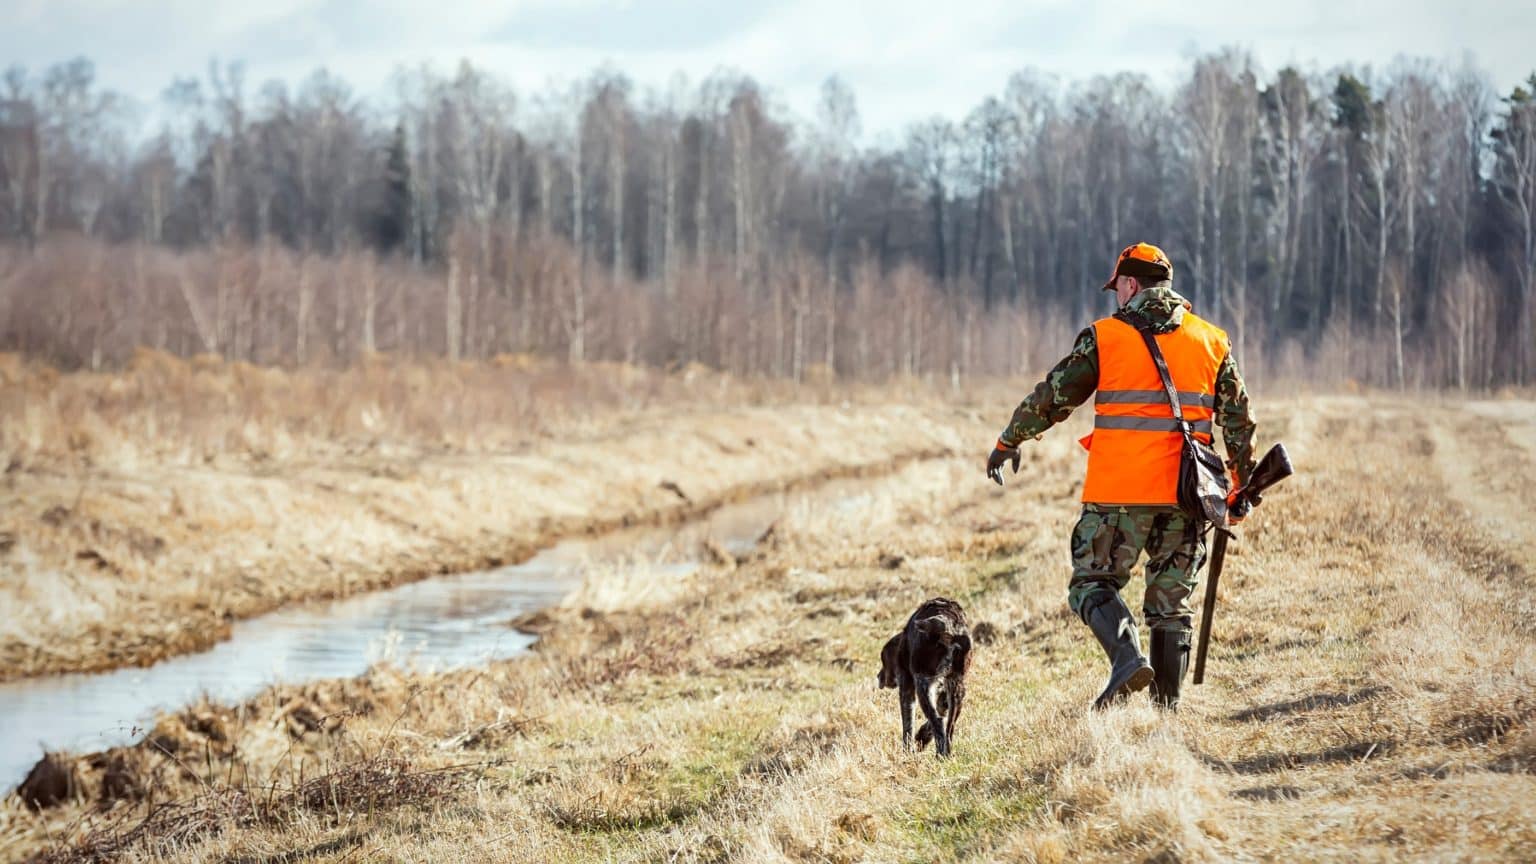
column 165, row 410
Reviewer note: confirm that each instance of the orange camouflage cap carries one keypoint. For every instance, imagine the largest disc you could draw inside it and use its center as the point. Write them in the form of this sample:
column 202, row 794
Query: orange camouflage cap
column 1141, row 259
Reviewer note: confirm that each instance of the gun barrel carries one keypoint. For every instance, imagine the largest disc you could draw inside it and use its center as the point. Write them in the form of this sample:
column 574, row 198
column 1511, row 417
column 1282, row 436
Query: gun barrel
column 1208, row 611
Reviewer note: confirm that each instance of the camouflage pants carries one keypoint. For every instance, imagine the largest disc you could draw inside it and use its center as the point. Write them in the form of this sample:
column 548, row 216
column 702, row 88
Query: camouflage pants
column 1108, row 540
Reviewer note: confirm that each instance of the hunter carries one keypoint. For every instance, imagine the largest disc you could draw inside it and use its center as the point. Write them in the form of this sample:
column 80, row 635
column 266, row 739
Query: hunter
column 1130, row 493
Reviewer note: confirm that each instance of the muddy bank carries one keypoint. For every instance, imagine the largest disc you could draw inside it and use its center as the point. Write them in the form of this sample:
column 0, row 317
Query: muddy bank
column 127, row 564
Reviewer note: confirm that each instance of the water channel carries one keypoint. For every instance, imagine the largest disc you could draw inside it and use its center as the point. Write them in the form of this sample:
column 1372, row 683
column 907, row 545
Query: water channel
column 436, row 624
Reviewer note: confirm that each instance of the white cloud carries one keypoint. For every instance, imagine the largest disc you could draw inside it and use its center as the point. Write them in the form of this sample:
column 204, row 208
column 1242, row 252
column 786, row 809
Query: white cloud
column 906, row 59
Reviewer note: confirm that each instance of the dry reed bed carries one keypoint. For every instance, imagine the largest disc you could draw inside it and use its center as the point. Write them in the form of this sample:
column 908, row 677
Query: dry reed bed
column 145, row 511
column 1369, row 697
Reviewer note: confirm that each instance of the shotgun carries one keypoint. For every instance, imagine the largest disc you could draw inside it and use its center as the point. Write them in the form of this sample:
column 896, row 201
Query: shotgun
column 1274, row 467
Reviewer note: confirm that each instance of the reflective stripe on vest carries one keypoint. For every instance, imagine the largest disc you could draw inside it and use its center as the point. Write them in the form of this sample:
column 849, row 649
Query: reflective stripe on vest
column 1133, row 453
column 1150, row 424
column 1186, row 397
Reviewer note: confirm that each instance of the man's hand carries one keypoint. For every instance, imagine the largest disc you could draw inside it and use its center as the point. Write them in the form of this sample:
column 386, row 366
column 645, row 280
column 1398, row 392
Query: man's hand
column 1237, row 507
column 1001, row 455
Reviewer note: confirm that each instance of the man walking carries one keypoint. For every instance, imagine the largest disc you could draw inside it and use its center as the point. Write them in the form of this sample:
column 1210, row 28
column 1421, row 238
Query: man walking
column 1130, row 498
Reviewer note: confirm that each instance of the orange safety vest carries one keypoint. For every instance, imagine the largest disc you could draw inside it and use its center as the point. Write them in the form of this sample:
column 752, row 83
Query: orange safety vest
column 1133, row 451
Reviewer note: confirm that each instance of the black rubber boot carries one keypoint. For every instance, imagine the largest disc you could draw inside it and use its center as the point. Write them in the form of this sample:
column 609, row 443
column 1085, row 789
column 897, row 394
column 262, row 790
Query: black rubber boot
column 1115, row 628
column 1170, row 657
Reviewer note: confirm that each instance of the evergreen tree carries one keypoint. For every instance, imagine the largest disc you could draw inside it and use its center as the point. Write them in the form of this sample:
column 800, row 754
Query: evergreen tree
column 392, row 221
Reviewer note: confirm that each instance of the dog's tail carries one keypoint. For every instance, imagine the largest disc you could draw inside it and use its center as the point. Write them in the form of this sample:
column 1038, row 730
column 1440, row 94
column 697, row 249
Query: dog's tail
column 891, row 660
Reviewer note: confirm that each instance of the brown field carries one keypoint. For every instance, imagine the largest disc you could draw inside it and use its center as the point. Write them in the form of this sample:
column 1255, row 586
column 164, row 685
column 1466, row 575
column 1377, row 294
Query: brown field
column 1369, row 697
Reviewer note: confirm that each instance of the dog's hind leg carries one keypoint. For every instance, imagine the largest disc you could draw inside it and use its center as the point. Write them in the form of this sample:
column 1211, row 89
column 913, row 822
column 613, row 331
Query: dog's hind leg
column 935, row 721
column 908, row 694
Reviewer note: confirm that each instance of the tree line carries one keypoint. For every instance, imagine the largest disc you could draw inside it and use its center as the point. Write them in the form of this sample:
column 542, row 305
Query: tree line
column 1373, row 224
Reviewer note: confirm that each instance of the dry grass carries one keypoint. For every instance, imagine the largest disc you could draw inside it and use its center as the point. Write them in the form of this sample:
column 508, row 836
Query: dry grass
column 141, row 513
column 1369, row 696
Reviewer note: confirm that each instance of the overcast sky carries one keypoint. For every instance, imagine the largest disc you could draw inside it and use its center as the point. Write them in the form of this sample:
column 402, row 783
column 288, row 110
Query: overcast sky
column 906, row 59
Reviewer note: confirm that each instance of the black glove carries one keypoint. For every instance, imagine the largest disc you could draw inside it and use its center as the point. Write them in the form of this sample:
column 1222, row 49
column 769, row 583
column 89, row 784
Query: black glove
column 1239, row 505
column 1000, row 455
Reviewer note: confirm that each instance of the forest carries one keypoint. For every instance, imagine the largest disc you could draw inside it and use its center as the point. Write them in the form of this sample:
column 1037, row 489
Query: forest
column 1356, row 224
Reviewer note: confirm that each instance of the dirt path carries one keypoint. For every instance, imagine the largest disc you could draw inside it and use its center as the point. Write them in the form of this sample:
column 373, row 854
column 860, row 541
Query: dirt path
column 1486, row 457
column 1377, row 650
column 1368, row 698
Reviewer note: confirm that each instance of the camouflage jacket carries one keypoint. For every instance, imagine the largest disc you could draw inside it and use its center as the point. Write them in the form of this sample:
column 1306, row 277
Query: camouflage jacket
column 1070, row 383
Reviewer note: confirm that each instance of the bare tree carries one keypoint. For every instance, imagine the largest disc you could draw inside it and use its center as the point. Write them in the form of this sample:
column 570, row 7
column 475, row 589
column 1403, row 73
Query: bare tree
column 21, row 154
column 1515, row 181
column 1293, row 138
column 930, row 147
column 1206, row 110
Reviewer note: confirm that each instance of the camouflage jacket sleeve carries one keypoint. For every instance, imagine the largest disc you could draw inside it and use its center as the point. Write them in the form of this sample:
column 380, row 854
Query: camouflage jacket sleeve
column 1065, row 387
column 1235, row 418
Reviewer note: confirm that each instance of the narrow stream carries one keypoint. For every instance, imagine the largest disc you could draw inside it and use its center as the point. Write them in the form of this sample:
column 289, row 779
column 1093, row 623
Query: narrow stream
column 436, row 624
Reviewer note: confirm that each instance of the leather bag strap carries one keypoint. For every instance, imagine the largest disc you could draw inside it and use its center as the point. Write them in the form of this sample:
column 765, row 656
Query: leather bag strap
column 1162, row 372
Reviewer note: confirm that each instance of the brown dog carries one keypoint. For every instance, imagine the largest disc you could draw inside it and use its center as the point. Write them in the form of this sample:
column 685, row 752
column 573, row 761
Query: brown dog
column 928, row 660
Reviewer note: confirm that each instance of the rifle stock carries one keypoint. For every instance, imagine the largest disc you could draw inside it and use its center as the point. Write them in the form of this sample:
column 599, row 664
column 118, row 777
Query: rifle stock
column 1274, row 467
